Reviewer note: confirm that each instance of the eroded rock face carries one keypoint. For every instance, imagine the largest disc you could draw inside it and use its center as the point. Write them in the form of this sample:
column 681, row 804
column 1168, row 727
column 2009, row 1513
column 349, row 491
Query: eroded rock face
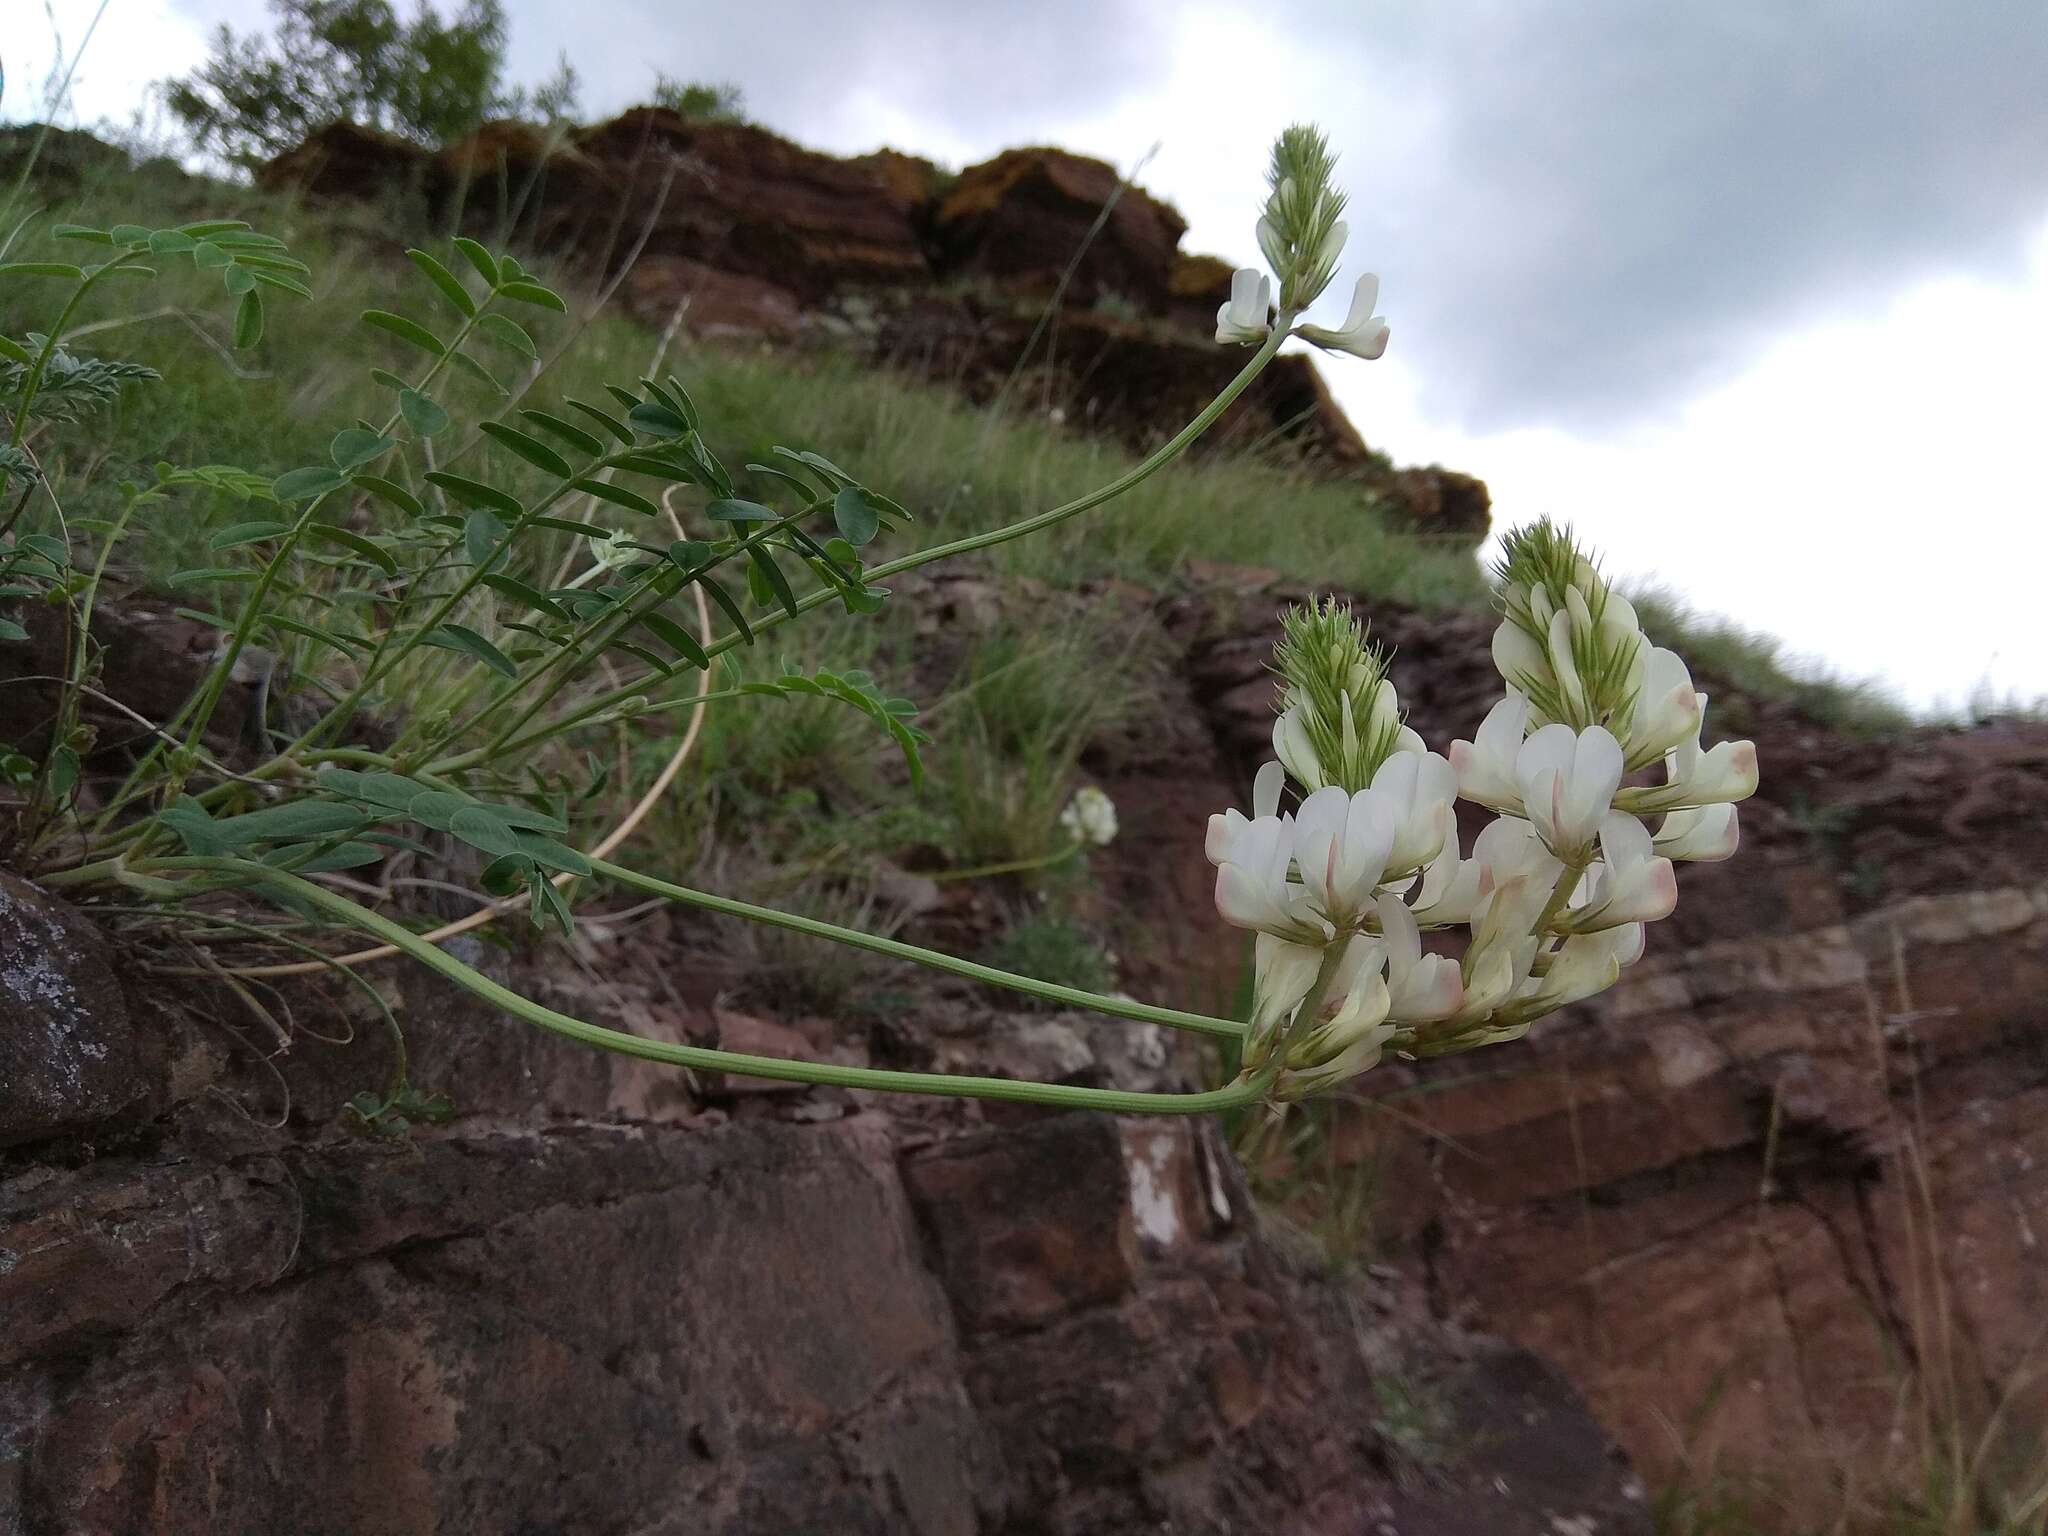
column 595, row 1304
column 743, row 235
column 1796, row 1154
column 1025, row 216
column 68, row 1054
column 346, row 160
column 1123, row 378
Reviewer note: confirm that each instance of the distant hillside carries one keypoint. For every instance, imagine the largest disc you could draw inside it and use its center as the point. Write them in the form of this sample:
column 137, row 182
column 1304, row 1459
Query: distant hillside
column 952, row 277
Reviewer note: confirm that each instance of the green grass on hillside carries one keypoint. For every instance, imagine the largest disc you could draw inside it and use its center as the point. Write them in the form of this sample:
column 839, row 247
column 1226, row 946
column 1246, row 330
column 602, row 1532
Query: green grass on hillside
column 801, row 786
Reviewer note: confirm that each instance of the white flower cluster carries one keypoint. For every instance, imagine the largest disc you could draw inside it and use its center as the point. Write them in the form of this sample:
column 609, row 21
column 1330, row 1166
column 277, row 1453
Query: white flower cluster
column 1302, row 237
column 1090, row 817
column 1555, row 892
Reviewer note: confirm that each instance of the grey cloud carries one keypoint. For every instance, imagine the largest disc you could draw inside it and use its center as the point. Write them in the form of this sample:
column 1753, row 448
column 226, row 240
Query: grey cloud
column 977, row 71
column 1608, row 205
column 1625, row 200
column 1617, row 203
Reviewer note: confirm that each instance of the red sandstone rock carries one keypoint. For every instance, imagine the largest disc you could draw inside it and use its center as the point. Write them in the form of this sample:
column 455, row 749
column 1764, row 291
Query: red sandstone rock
column 346, row 160
column 1443, row 504
column 712, row 303
column 1737, row 1197
column 1022, row 217
column 746, row 202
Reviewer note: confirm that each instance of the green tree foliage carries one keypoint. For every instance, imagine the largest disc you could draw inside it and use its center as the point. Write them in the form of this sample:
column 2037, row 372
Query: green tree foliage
column 427, row 79
column 700, row 100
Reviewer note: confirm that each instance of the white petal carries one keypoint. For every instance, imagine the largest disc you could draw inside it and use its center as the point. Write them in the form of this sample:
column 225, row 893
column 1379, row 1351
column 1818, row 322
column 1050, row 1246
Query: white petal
column 1589, row 787
column 1364, row 295
column 1624, row 841
column 1266, row 787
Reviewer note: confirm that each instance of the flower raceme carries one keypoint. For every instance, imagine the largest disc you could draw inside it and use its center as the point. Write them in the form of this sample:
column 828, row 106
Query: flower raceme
column 1556, row 893
column 1301, row 235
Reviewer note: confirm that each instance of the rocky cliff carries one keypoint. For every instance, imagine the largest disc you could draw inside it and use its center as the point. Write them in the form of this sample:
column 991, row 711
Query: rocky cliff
column 608, row 1298
column 1037, row 277
column 1775, row 1201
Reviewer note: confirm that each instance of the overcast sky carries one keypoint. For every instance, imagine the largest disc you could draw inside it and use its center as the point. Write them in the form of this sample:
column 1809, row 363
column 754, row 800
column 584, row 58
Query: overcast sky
column 1755, row 293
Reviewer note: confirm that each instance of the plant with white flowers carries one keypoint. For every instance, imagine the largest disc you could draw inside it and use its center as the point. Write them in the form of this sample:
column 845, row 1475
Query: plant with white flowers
column 494, row 661
column 1301, row 234
column 1556, row 892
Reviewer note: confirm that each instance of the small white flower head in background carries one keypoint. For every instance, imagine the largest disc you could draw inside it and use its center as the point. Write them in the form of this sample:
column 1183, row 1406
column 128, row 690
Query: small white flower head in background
column 1244, row 316
column 1301, row 234
column 1090, row 817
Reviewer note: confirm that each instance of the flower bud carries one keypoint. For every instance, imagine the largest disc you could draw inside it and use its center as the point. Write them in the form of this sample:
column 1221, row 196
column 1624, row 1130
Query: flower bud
column 1568, row 642
column 1341, row 718
column 1302, row 232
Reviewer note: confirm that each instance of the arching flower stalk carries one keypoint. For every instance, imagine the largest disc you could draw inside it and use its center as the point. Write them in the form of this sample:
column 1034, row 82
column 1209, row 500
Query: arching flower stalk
column 1556, row 892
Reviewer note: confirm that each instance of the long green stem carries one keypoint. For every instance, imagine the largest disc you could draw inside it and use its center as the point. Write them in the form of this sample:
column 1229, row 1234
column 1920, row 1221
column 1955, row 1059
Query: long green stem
column 1056, row 1095
column 74, row 672
column 1123, row 1008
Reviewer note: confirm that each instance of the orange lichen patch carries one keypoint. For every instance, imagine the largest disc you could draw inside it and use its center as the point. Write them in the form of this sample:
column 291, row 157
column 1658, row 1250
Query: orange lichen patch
column 1204, row 278
column 908, row 182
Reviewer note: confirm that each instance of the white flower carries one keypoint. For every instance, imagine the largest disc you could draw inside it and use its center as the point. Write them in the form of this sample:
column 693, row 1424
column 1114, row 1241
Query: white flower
column 1351, row 1028
column 1450, row 888
column 1667, row 710
column 1630, row 884
column 1568, row 783
column 1507, row 849
column 1421, row 988
column 1292, row 746
column 1252, row 888
column 1361, row 1055
column 1419, row 788
column 1584, row 965
column 1090, row 817
column 1725, row 773
column 1503, row 946
column 1342, row 844
column 1521, row 662
column 613, row 551
column 1282, row 974
column 1564, row 667
column 1703, row 836
column 1223, row 829
column 1272, row 244
column 1363, row 333
column 1243, row 317
column 1486, row 766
